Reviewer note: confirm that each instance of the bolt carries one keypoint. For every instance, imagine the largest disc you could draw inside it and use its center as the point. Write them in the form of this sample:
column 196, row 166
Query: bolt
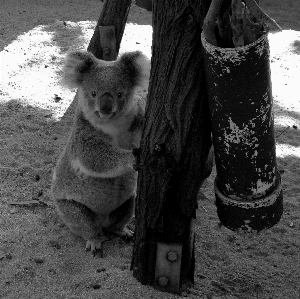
column 106, row 51
column 172, row 256
column 163, row 281
column 110, row 34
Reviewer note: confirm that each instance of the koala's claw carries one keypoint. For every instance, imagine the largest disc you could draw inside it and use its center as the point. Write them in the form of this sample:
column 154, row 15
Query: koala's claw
column 95, row 245
column 126, row 233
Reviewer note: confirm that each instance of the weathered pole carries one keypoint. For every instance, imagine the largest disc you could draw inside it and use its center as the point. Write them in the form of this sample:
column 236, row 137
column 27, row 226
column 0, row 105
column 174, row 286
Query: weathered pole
column 114, row 13
column 172, row 160
column 147, row 4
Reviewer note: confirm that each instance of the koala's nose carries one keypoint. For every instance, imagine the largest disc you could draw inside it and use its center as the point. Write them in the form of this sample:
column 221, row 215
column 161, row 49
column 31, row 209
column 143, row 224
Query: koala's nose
column 106, row 103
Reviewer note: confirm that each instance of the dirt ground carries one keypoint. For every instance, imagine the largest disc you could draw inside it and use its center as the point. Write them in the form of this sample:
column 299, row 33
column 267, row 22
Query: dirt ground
column 39, row 257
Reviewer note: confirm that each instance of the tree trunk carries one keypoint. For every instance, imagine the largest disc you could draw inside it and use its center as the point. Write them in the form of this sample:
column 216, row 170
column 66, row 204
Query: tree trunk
column 175, row 145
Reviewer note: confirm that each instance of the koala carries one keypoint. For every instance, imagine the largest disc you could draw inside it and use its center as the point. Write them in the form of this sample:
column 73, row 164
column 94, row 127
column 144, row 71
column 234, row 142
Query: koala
column 94, row 183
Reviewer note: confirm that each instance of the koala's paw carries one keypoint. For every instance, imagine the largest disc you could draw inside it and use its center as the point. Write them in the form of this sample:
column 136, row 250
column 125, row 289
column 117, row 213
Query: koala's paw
column 95, row 245
column 125, row 233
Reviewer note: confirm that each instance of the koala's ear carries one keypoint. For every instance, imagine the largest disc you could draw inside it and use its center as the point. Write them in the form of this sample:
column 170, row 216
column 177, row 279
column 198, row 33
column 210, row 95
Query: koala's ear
column 137, row 66
column 76, row 64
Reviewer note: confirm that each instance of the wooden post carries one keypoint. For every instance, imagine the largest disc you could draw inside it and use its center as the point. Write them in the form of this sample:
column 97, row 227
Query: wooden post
column 114, row 13
column 147, row 4
column 173, row 157
column 108, row 42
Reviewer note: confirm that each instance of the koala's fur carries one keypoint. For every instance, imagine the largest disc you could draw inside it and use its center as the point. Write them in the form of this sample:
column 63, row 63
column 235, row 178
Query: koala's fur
column 94, row 184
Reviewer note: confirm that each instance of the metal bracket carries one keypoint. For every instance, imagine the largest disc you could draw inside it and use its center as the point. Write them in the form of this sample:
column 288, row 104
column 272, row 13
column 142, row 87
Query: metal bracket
column 168, row 266
column 108, row 42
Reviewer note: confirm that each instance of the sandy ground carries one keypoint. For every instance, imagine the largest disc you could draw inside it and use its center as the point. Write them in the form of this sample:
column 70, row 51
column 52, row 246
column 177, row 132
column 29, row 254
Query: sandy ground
column 39, row 257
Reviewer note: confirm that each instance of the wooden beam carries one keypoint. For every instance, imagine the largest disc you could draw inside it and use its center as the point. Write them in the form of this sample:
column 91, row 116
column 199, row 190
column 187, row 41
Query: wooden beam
column 114, row 13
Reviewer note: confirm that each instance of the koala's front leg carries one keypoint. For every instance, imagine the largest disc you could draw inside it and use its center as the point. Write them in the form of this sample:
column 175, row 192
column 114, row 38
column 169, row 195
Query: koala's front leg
column 82, row 222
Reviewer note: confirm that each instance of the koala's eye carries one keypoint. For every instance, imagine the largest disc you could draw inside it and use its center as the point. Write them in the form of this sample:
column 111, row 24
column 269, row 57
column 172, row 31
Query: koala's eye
column 120, row 94
column 94, row 94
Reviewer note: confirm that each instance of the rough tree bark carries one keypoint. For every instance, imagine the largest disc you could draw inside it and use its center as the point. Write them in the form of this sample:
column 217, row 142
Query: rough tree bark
column 172, row 160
